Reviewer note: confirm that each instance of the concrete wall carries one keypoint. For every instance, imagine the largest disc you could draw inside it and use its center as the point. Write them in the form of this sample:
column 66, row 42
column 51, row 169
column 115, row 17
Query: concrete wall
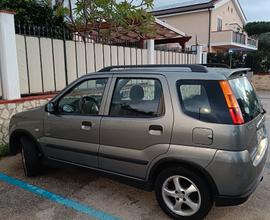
column 221, row 37
column 262, row 82
column 229, row 15
column 193, row 24
column 9, row 108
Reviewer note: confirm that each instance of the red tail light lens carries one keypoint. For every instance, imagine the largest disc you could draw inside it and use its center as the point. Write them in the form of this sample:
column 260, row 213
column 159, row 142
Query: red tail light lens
column 232, row 103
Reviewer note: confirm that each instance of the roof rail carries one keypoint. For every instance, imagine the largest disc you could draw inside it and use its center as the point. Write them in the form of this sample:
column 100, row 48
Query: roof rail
column 217, row 65
column 193, row 67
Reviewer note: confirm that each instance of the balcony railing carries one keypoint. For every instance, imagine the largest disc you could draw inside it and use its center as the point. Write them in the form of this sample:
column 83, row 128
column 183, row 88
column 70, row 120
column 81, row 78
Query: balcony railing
column 239, row 38
column 230, row 39
column 252, row 43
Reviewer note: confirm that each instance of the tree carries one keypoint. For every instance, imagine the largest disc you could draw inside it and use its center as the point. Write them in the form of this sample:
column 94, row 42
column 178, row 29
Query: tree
column 32, row 12
column 107, row 17
column 259, row 60
column 257, row 28
column 264, row 42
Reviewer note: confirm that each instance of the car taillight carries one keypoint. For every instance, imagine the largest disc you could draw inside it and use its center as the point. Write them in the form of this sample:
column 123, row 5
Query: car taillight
column 232, row 103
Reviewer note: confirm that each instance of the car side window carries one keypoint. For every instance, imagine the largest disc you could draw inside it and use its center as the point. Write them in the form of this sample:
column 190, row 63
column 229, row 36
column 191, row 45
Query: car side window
column 203, row 100
column 133, row 97
column 83, row 99
column 194, row 98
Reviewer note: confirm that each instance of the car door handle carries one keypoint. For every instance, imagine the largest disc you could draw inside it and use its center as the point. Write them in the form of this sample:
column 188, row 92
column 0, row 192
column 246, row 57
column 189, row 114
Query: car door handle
column 155, row 130
column 86, row 125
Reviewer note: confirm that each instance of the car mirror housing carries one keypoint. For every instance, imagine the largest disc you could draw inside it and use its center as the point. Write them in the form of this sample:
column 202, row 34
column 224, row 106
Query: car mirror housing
column 50, row 107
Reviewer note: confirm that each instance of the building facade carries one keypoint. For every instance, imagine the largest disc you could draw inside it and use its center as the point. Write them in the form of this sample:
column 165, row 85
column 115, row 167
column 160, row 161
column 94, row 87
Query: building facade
column 217, row 25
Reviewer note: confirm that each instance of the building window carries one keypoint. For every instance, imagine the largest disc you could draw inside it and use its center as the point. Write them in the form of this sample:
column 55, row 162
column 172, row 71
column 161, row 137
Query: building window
column 219, row 24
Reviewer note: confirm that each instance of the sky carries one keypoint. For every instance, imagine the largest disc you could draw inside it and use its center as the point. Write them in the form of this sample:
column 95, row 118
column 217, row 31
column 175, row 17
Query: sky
column 255, row 10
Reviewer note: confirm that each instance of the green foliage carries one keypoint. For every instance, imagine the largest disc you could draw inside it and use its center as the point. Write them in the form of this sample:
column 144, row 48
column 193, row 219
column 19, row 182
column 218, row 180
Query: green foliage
column 264, row 42
column 257, row 28
column 3, row 150
column 32, row 12
column 224, row 58
column 126, row 15
column 258, row 61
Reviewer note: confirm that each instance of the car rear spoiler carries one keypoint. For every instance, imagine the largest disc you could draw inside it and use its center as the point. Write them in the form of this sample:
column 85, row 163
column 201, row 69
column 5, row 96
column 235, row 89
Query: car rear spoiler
column 238, row 72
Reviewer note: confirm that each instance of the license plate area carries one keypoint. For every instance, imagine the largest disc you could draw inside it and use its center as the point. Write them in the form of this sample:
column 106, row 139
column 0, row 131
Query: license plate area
column 261, row 148
column 260, row 134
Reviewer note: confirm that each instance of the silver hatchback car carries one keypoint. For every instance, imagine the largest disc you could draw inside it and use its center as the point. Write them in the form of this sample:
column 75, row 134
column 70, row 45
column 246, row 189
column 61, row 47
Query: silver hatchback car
column 193, row 134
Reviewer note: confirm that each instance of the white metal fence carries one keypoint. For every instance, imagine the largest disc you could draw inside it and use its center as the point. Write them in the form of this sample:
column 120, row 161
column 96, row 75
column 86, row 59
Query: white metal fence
column 47, row 65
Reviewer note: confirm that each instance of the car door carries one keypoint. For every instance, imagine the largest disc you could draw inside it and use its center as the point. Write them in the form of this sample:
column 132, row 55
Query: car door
column 71, row 134
column 137, row 124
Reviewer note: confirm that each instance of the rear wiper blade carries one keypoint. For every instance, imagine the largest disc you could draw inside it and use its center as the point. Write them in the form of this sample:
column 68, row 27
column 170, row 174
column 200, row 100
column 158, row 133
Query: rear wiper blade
column 263, row 111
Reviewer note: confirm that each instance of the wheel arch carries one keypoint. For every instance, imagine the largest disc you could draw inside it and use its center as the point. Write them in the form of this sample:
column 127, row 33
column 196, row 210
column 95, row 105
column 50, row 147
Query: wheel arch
column 172, row 162
column 14, row 140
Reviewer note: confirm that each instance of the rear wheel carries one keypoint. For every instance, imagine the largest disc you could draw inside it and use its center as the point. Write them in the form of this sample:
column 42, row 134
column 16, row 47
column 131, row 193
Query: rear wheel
column 183, row 194
column 30, row 157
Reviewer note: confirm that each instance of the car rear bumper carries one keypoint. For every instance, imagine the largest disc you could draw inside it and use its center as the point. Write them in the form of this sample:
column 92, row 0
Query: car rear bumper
column 236, row 200
column 236, row 175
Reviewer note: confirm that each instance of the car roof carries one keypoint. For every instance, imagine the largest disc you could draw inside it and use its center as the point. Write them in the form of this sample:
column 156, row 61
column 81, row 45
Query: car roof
column 192, row 71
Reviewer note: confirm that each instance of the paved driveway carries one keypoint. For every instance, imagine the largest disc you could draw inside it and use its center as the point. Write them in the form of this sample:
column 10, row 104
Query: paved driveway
column 98, row 193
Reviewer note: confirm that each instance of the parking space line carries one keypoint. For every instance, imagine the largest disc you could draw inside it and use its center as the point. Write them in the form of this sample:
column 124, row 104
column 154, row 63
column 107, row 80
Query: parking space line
column 57, row 198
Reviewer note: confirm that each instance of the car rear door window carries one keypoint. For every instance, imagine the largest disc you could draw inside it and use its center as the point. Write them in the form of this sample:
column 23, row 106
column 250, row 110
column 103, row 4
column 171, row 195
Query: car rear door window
column 203, row 100
column 141, row 98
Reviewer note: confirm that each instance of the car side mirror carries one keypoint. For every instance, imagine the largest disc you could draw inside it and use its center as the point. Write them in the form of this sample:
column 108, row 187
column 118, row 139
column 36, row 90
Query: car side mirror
column 50, row 107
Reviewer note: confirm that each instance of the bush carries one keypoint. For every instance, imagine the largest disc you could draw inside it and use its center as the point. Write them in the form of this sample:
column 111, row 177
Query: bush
column 32, row 12
column 258, row 61
column 3, row 150
column 238, row 60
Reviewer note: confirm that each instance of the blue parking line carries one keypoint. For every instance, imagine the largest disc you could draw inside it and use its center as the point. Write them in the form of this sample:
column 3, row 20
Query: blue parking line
column 58, row 199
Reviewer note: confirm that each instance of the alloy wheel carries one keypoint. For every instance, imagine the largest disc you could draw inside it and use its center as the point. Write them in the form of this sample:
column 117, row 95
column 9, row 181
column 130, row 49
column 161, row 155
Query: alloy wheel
column 181, row 195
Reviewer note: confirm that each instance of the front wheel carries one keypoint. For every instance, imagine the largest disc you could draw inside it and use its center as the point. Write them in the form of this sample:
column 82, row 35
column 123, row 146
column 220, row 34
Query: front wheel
column 183, row 194
column 30, row 158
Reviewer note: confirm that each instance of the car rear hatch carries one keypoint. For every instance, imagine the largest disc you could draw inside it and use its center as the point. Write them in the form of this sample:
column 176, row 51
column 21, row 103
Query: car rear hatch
column 251, row 117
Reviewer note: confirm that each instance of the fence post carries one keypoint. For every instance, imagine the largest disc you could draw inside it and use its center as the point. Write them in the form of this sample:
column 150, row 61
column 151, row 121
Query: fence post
column 204, row 58
column 9, row 70
column 199, row 54
column 151, row 51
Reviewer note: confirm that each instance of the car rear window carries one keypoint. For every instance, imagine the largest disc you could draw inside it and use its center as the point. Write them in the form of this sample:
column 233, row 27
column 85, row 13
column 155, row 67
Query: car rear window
column 246, row 97
column 203, row 100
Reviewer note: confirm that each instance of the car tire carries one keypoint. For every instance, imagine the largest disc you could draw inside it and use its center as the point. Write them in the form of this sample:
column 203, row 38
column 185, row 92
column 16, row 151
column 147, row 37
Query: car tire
column 191, row 199
column 30, row 157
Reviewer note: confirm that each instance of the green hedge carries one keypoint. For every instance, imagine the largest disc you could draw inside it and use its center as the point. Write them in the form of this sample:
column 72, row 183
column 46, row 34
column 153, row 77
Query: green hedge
column 258, row 61
column 3, row 150
column 224, row 58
